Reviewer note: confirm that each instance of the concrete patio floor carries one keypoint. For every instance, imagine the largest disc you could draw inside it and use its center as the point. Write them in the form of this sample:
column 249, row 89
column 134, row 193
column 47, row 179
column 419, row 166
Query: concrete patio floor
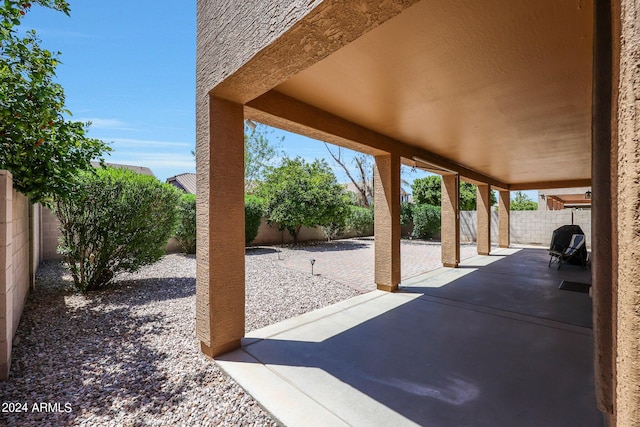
column 492, row 343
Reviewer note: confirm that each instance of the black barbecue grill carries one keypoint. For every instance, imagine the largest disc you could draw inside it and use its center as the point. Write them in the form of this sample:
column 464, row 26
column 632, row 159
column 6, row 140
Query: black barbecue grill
column 568, row 245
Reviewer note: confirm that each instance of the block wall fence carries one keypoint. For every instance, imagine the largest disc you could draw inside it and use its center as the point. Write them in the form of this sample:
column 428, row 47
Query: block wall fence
column 20, row 254
column 24, row 226
column 526, row 227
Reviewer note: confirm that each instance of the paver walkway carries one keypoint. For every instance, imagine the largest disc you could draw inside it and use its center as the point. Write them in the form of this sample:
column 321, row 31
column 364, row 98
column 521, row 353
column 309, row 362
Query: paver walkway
column 351, row 261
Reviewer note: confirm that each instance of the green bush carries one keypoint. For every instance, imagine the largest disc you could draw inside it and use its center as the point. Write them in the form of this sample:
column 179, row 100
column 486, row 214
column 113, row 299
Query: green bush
column 253, row 213
column 406, row 213
column 186, row 224
column 359, row 220
column 114, row 220
column 299, row 194
column 426, row 221
column 335, row 229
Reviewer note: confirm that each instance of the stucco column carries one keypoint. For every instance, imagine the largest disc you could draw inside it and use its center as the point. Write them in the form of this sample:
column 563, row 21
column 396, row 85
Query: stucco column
column 627, row 200
column 220, row 229
column 504, row 212
column 483, row 207
column 603, row 211
column 387, row 221
column 450, row 230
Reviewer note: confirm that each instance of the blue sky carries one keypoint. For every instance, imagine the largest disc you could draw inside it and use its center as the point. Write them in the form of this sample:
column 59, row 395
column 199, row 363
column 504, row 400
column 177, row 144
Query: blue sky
column 129, row 68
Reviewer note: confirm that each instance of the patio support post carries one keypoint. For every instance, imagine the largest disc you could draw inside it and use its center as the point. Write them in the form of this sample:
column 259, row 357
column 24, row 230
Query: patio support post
column 220, row 254
column 450, row 230
column 484, row 219
column 387, row 221
column 504, row 212
column 625, row 193
column 603, row 212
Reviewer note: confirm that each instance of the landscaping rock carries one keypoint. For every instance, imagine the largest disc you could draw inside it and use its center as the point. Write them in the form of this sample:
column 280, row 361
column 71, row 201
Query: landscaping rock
column 128, row 356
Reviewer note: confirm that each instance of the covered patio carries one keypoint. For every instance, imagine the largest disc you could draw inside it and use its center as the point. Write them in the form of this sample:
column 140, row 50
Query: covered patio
column 507, row 94
column 493, row 342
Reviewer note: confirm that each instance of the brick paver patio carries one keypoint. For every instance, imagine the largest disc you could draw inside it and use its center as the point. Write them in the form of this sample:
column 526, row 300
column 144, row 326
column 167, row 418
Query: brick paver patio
column 351, row 261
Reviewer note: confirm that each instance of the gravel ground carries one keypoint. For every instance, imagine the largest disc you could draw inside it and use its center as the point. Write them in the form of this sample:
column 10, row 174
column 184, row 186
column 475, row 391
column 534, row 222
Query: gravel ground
column 129, row 357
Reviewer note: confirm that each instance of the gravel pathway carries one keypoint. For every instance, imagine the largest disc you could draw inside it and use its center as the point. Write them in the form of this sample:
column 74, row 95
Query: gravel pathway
column 129, row 356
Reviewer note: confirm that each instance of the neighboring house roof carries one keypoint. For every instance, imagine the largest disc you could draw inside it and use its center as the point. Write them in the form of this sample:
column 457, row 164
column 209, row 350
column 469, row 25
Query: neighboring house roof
column 138, row 169
column 350, row 186
column 185, row 181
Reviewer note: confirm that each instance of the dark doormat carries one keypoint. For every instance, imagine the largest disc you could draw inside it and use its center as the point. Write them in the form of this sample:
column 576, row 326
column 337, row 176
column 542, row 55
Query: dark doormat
column 574, row 286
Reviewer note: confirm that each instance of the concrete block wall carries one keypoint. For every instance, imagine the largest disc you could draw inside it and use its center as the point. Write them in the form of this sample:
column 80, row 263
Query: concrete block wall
column 6, row 271
column 15, row 265
column 528, row 227
column 36, row 231
column 270, row 235
column 469, row 226
column 50, row 234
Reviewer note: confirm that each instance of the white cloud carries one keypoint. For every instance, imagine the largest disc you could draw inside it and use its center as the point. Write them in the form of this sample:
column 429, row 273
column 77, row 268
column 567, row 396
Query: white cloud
column 148, row 143
column 49, row 33
column 151, row 160
column 111, row 124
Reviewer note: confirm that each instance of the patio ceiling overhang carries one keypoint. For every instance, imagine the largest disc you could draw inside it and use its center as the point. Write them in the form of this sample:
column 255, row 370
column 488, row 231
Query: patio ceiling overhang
column 498, row 91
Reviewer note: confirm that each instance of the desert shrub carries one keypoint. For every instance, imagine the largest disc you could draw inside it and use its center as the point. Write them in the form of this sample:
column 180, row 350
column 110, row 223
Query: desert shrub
column 334, row 229
column 359, row 220
column 406, row 213
column 253, row 213
column 186, row 224
column 114, row 220
column 426, row 221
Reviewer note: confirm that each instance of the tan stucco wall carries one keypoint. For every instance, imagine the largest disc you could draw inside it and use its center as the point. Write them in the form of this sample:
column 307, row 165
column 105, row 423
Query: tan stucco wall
column 628, row 198
column 450, row 230
column 230, row 33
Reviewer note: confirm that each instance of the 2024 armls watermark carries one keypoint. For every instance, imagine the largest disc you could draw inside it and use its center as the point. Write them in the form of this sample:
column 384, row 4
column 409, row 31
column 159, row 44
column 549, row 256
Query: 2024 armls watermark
column 42, row 407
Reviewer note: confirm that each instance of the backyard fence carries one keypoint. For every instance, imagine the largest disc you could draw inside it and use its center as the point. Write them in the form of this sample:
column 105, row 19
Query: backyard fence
column 20, row 254
column 29, row 234
column 528, row 227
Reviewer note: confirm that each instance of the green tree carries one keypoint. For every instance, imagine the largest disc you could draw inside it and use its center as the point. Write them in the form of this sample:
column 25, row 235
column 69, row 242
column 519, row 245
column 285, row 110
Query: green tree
column 40, row 147
column 522, row 202
column 300, row 194
column 114, row 220
column 259, row 152
column 428, row 191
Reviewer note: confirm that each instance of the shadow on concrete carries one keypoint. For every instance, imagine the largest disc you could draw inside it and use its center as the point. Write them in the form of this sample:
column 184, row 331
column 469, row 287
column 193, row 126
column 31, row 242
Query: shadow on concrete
column 335, row 245
column 521, row 283
column 485, row 349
